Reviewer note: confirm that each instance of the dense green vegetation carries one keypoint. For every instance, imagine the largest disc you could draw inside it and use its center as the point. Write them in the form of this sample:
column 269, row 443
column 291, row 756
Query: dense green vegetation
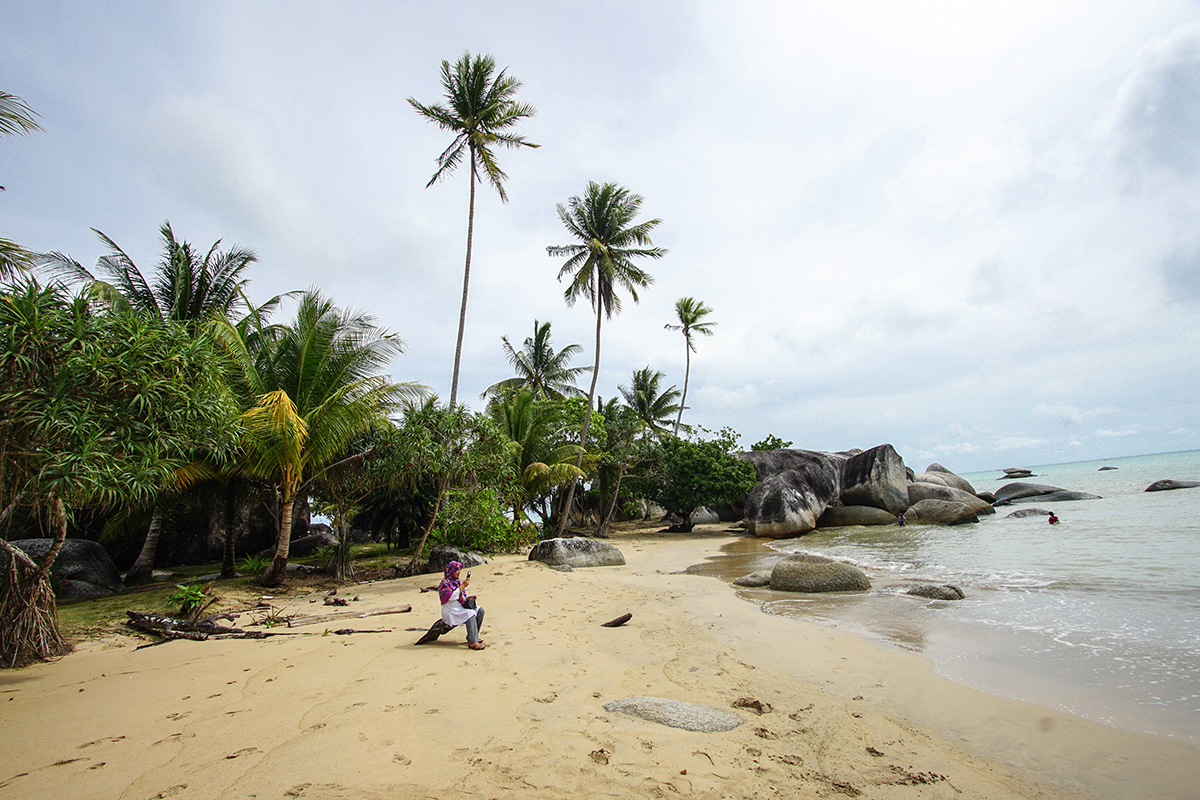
column 164, row 409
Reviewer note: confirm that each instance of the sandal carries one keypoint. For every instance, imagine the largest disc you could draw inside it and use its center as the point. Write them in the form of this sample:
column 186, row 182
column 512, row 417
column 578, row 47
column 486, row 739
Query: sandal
column 476, row 645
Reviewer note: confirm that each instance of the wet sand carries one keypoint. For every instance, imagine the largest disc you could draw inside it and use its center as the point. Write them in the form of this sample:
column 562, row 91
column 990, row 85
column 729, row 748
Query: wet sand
column 372, row 716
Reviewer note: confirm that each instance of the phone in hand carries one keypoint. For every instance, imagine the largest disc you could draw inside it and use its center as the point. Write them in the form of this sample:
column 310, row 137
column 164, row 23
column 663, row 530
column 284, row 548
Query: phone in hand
column 468, row 574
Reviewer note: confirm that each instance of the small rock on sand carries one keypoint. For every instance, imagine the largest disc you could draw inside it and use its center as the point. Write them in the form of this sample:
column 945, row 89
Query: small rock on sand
column 677, row 714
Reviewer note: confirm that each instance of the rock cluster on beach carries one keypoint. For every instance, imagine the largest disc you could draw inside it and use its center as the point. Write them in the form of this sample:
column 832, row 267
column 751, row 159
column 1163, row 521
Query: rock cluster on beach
column 801, row 490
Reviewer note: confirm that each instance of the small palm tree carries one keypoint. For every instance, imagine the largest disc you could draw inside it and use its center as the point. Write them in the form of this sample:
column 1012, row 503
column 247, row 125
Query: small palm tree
column 601, row 262
column 653, row 406
column 539, row 466
column 539, row 368
column 311, row 388
column 479, row 110
column 691, row 313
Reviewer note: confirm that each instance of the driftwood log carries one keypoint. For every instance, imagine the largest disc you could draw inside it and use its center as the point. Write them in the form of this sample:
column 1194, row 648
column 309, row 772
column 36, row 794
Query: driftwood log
column 298, row 621
column 436, row 630
column 616, row 623
column 195, row 629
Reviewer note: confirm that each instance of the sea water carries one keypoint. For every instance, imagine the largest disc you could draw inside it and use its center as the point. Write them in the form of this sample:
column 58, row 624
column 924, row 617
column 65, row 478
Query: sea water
column 1098, row 616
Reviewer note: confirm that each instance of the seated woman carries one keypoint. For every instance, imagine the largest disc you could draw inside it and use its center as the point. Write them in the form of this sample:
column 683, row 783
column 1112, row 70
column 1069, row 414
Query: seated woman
column 457, row 607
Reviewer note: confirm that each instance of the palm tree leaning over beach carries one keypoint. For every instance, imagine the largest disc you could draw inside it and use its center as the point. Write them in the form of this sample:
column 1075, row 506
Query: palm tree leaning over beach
column 603, row 220
column 691, row 313
column 545, row 372
column 478, row 111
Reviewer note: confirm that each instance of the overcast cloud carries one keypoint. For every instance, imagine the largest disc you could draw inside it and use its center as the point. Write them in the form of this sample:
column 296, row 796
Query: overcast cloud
column 967, row 229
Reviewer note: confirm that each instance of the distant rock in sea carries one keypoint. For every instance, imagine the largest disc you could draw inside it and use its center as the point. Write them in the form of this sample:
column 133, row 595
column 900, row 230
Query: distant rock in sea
column 1028, row 492
column 1016, row 472
column 1105, row 469
column 1028, row 512
column 1167, row 484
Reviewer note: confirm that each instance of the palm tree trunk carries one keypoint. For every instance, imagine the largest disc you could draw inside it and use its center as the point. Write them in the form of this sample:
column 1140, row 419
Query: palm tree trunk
column 610, row 508
column 144, row 564
column 587, row 421
column 687, row 373
column 415, row 563
column 274, row 574
column 462, row 313
column 229, row 550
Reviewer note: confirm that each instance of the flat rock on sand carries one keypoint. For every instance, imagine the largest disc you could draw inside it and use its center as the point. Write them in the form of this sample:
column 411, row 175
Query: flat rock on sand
column 677, row 714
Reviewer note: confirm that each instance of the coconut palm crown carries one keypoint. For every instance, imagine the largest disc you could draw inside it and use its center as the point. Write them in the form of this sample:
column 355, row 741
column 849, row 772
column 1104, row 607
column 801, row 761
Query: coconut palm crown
column 540, row 368
column 691, row 313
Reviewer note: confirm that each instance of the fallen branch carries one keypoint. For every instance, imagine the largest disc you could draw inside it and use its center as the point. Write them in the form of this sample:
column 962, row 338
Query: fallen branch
column 619, row 621
column 298, row 621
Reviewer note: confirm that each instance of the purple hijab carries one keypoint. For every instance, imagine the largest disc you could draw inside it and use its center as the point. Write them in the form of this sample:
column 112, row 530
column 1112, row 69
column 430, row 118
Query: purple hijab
column 450, row 581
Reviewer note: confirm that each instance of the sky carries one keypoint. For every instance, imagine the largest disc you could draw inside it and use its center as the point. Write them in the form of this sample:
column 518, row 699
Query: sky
column 969, row 230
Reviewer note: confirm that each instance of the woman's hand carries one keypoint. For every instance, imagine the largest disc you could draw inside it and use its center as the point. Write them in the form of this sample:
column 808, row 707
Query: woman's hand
column 466, row 583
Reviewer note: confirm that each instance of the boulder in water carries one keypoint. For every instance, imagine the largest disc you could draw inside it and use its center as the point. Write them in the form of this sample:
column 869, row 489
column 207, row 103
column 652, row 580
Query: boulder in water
column 876, row 478
column 788, row 503
column 1168, row 484
column 933, row 491
column 808, row 573
column 945, row 592
column 844, row 516
column 1027, row 492
column 941, row 512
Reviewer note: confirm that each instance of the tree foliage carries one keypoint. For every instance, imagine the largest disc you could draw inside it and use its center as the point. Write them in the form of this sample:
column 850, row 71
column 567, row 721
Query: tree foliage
column 690, row 474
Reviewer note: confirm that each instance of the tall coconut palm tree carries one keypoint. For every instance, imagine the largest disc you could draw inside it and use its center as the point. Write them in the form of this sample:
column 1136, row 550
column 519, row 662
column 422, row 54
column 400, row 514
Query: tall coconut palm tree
column 603, row 261
column 653, row 406
column 691, row 313
column 545, row 372
column 311, row 388
column 479, row 109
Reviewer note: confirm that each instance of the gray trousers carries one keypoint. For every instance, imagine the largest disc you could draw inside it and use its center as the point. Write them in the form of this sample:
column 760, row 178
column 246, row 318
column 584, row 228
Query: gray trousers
column 473, row 625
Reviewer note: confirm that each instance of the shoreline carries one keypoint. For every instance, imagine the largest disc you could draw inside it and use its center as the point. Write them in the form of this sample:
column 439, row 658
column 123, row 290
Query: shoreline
column 372, row 715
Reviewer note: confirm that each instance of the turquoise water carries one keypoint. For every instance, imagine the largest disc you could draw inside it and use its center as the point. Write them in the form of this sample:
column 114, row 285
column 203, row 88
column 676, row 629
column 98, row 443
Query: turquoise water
column 1098, row 616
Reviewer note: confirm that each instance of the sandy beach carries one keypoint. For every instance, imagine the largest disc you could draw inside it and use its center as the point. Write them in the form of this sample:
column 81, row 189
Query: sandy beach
column 373, row 716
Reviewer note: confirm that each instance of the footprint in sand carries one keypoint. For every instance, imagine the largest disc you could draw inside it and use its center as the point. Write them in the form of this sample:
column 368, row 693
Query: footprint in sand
column 101, row 741
column 174, row 790
column 245, row 751
column 178, row 715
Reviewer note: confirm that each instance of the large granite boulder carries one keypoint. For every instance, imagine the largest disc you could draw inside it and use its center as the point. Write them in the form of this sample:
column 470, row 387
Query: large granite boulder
column 808, row 573
column 84, row 566
column 941, row 512
column 1028, row 512
column 934, row 491
column 443, row 554
column 1167, row 484
column 308, row 545
column 875, row 478
column 773, row 462
column 1029, row 492
column 844, row 516
column 943, row 475
column 789, row 503
column 576, row 552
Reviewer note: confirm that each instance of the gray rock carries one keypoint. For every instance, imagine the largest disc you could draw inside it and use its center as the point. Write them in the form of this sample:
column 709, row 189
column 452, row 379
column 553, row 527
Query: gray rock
column 875, row 478
column 943, row 512
column 1028, row 492
column 1105, row 469
column 808, row 573
column 929, row 590
column 704, row 516
column 443, row 554
column 933, row 491
column 839, row 516
column 1167, row 484
column 987, row 497
column 755, row 579
column 84, row 566
column 952, row 479
column 677, row 714
column 772, row 462
column 577, row 552
column 307, row 545
column 788, row 503
column 1028, row 512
